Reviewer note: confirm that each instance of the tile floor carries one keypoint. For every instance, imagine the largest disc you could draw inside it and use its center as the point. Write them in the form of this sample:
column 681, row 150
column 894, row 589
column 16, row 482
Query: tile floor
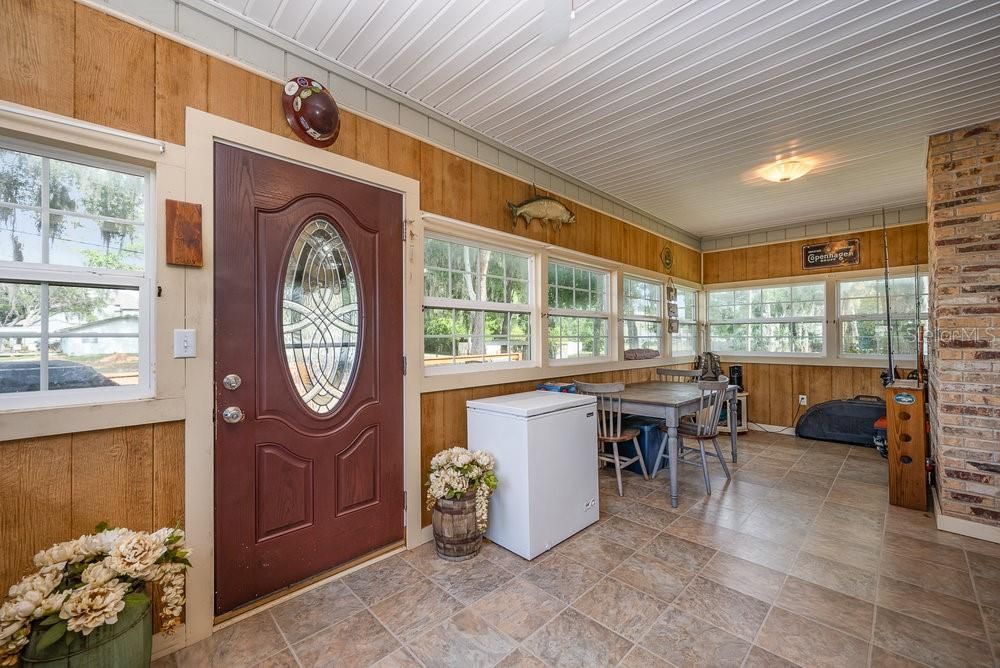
column 797, row 561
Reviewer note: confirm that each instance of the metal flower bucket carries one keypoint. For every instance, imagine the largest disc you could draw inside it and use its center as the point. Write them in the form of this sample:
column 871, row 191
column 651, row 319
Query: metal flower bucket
column 126, row 644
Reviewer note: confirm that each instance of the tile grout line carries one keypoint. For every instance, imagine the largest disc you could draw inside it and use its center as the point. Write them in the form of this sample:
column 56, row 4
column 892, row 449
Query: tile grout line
column 795, row 559
column 979, row 605
column 288, row 645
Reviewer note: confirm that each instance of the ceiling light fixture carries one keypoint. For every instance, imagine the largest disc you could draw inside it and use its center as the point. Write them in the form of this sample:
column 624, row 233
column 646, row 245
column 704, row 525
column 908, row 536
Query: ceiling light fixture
column 782, row 171
column 572, row 10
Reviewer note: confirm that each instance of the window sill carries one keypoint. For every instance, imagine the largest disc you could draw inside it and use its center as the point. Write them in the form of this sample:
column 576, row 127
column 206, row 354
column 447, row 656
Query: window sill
column 33, row 422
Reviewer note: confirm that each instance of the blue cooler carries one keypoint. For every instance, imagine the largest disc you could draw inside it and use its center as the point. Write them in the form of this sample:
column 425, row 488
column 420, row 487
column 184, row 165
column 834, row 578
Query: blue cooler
column 649, row 441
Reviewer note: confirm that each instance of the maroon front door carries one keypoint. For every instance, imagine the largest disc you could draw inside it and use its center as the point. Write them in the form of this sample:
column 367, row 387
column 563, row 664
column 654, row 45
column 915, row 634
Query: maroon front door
column 309, row 347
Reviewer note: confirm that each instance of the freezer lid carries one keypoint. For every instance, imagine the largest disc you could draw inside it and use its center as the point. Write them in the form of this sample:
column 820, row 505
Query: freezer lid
column 530, row 404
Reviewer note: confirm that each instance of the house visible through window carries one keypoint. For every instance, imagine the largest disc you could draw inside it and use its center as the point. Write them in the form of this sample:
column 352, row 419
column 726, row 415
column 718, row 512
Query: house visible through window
column 477, row 304
column 578, row 312
column 642, row 313
column 779, row 319
column 861, row 313
column 73, row 277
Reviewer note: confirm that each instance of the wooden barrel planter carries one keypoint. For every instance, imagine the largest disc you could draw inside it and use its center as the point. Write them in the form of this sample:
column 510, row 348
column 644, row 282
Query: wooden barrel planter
column 456, row 535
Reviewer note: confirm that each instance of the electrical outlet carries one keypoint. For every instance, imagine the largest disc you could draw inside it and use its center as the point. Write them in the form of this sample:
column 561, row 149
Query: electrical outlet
column 803, row 400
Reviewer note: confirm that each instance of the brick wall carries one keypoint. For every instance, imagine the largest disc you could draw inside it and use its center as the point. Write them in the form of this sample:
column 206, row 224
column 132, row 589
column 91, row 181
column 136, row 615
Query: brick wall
column 963, row 192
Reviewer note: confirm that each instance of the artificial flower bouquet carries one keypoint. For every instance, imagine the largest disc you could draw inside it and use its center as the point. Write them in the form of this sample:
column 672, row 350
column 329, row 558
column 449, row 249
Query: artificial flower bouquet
column 85, row 583
column 456, row 471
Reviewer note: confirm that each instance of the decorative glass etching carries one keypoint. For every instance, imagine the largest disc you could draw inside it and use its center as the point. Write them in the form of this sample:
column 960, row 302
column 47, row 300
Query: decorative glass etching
column 320, row 316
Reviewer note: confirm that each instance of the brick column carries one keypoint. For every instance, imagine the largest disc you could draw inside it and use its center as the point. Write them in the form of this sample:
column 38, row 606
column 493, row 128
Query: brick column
column 963, row 193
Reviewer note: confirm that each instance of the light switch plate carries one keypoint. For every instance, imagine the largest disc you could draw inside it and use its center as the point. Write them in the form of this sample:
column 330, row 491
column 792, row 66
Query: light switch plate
column 185, row 343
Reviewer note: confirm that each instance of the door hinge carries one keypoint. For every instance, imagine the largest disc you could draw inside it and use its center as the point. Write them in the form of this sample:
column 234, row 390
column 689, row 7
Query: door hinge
column 404, row 365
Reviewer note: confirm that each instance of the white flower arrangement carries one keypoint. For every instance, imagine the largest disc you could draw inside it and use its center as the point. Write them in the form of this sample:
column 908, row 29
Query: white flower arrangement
column 85, row 583
column 456, row 471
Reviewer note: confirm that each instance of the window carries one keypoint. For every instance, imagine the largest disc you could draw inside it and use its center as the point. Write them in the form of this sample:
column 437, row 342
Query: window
column 685, row 341
column 642, row 313
column 578, row 312
column 74, row 281
column 477, row 304
column 785, row 319
column 861, row 313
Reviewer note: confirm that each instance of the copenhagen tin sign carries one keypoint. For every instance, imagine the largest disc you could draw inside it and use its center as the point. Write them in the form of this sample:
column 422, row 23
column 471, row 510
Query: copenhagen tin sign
column 841, row 253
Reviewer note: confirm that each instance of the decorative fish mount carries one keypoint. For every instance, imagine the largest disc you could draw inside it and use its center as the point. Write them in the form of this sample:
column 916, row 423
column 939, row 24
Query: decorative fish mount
column 545, row 209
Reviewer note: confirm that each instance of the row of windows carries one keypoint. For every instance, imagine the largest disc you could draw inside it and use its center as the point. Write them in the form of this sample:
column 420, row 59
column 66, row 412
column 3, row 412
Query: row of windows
column 790, row 319
column 478, row 309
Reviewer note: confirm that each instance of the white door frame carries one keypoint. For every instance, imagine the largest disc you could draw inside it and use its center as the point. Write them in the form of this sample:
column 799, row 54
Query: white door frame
column 202, row 131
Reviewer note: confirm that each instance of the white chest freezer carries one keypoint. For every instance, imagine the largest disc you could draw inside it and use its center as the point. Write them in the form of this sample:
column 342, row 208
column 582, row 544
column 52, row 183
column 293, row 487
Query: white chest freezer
column 545, row 444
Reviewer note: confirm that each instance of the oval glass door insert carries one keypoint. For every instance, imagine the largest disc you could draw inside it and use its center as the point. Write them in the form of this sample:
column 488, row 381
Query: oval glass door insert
column 320, row 316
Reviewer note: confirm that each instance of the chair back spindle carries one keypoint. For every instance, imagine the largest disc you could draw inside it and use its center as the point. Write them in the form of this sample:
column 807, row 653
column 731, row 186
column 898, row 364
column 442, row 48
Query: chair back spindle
column 678, row 375
column 609, row 406
column 710, row 405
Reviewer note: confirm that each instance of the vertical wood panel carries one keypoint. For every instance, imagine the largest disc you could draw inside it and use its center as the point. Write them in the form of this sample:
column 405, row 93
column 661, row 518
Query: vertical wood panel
column 35, row 482
column 347, row 141
column 239, row 95
column 37, row 52
column 181, row 81
column 168, row 474
column 404, row 154
column 115, row 73
column 113, row 478
column 373, row 143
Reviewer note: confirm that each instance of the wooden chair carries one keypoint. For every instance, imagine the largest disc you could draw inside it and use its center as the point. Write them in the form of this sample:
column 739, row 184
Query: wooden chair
column 705, row 427
column 679, row 375
column 609, row 427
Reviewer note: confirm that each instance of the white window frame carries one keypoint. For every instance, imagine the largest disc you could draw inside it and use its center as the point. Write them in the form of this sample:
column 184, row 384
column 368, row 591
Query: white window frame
column 821, row 320
column 661, row 319
column 840, row 318
column 480, row 305
column 696, row 305
column 35, row 273
column 611, row 279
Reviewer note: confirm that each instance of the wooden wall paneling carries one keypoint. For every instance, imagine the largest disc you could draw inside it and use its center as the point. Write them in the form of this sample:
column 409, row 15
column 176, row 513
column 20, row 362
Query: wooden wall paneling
column 239, row 95
column 738, row 265
column 782, row 402
column 779, row 260
column 181, row 81
column 432, row 193
column 404, row 154
column 486, row 209
column 897, row 251
column 347, row 141
column 920, row 233
column 820, row 384
column 115, row 78
column 757, row 383
column 37, row 54
column 757, row 263
column 113, row 478
column 842, row 382
column 168, row 474
column 610, row 235
column 457, row 186
column 279, row 124
column 581, row 235
column 373, row 143
column 35, row 482
column 710, row 268
column 633, row 246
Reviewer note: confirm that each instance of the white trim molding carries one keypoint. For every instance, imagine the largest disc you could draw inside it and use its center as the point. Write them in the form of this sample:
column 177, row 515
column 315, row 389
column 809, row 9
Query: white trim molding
column 964, row 527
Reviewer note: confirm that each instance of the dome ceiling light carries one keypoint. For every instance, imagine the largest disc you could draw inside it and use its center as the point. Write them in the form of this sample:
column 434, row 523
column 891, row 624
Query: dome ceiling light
column 782, row 171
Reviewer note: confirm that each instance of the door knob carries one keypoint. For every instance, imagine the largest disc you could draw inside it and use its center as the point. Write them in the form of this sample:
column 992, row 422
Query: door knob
column 233, row 414
column 231, row 381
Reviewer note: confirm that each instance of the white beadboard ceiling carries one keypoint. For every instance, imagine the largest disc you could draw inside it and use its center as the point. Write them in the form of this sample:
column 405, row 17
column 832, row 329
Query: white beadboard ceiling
column 671, row 105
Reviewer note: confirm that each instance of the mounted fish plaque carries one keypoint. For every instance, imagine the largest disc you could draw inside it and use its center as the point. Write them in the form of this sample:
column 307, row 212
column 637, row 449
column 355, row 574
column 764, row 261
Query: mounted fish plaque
column 841, row 253
column 544, row 209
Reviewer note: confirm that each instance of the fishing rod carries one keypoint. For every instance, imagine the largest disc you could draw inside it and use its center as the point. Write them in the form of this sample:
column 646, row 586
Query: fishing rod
column 889, row 374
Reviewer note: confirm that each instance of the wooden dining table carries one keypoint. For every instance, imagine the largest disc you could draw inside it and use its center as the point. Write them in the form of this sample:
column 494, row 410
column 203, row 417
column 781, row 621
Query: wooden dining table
column 670, row 402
